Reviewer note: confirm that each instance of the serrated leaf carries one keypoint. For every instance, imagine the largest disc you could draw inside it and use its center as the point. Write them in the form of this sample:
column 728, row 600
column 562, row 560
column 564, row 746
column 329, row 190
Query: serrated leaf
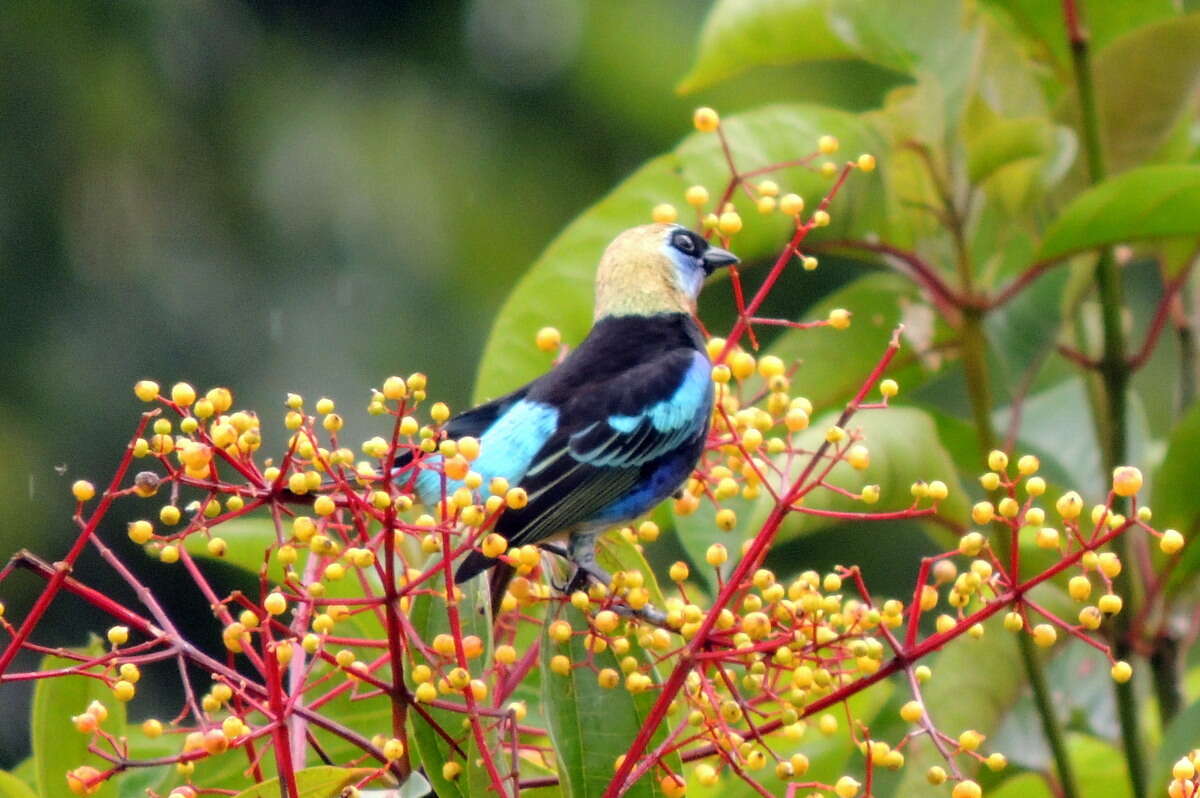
column 1150, row 202
column 591, row 725
column 741, row 34
column 318, row 782
column 557, row 289
column 57, row 747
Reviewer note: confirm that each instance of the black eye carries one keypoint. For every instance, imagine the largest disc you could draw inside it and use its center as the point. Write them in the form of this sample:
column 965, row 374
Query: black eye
column 684, row 243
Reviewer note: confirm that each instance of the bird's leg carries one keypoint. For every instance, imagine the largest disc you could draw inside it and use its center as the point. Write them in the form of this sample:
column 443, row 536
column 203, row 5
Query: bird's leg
column 581, row 550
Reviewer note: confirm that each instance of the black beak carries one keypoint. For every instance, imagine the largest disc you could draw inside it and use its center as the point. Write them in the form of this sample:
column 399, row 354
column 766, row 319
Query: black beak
column 715, row 257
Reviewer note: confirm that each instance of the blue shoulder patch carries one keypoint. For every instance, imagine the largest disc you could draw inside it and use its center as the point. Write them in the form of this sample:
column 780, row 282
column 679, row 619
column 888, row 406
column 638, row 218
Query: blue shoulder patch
column 505, row 450
column 692, row 398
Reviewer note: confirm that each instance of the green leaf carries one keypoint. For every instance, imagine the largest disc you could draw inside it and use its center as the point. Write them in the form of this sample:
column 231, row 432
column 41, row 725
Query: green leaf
column 318, row 782
column 557, row 289
column 1150, row 202
column 1004, row 141
column 248, row 540
column 904, row 447
column 591, row 725
column 57, row 747
column 1146, row 83
column 740, row 34
column 834, row 363
column 1105, row 19
column 429, row 617
column 12, row 787
column 975, row 682
column 1176, row 502
column 1024, row 785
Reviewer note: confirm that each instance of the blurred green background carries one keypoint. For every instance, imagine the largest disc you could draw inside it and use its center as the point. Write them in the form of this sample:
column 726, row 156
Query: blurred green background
column 307, row 197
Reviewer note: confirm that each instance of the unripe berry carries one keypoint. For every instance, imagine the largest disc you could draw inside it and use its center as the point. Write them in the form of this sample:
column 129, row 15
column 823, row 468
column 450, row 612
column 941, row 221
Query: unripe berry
column 146, row 390
column 983, row 512
column 839, row 318
column 664, row 213
column 1126, row 481
column 679, row 572
column 183, row 394
column 820, row 218
column 393, row 749
column 729, row 223
column 716, row 555
column 1170, row 542
column 696, row 196
column 1080, row 587
column 827, row 145
column 1044, row 635
column 846, row 787
column 1110, row 604
column 275, row 603
column 912, row 712
column 123, row 691
column 936, row 775
column 706, row 119
column 966, row 789
column 791, row 204
column 1121, row 672
column 1069, row 505
column 866, row 162
column 83, row 490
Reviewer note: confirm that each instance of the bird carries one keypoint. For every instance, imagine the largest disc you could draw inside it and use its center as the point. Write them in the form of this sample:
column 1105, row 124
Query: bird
column 616, row 427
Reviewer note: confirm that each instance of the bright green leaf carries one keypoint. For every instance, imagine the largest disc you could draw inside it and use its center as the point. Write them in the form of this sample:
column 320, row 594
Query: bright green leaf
column 1007, row 140
column 318, row 782
column 57, row 746
column 1146, row 203
column 740, row 34
column 12, row 787
column 591, row 725
column 247, row 542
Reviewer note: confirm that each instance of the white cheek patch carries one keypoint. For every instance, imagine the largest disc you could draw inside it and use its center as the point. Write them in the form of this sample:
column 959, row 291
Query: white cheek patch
column 689, row 276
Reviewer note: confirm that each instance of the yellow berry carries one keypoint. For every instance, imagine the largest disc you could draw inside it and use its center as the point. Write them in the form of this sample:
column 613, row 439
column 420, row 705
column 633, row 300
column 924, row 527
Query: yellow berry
column 83, row 490
column 275, row 603
column 827, row 145
column 729, row 223
column 839, row 318
column 716, row 555
column 1121, row 672
column 1170, row 542
column 183, row 394
column 664, row 213
column 548, row 339
column 1126, row 480
column 820, row 219
column 846, row 787
column 696, row 196
column 912, row 712
column 146, row 390
column 966, row 789
column 1044, row 635
column 866, row 162
column 791, row 204
column 706, row 119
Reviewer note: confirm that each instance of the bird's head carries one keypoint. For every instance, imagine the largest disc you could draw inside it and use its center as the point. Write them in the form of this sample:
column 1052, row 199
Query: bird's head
column 655, row 268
